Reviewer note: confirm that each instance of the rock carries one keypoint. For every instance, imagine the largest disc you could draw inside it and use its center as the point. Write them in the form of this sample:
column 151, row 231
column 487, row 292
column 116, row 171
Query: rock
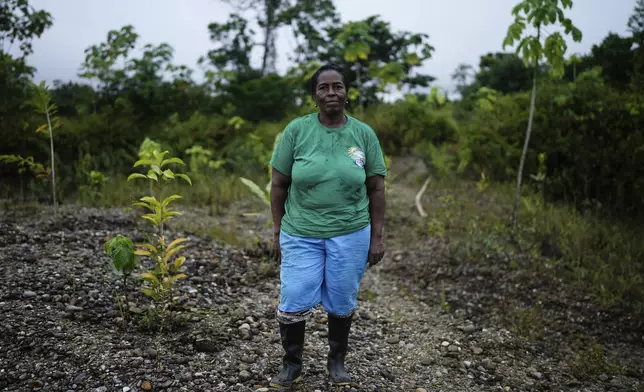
column 244, row 326
column 427, row 362
column 146, row 385
column 421, row 390
column 28, row 294
column 603, row 377
column 452, row 348
column 57, row 375
column 477, row 350
column 73, row 308
column 151, row 353
column 244, row 375
column 127, row 389
column 387, row 374
column 393, row 340
column 445, row 343
column 469, row 328
column 467, row 364
column 205, row 346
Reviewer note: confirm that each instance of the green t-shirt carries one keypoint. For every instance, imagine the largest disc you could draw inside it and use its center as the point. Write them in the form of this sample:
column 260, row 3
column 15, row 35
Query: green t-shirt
column 328, row 168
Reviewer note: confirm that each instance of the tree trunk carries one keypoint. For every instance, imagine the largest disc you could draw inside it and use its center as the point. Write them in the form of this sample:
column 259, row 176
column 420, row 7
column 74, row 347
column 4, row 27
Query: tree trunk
column 53, row 171
column 359, row 82
column 268, row 59
column 517, row 200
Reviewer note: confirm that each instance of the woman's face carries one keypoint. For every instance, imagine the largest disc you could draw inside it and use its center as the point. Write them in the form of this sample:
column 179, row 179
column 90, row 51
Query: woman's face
column 330, row 93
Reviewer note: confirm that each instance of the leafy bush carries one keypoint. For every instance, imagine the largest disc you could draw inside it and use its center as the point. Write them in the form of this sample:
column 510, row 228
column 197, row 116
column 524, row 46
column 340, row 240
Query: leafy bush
column 587, row 130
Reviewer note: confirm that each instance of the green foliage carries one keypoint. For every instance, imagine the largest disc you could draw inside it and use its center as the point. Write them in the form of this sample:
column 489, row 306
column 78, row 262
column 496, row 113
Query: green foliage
column 539, row 14
column 159, row 282
column 20, row 22
column 591, row 361
column 120, row 250
column 587, row 116
column 41, row 102
column 26, row 165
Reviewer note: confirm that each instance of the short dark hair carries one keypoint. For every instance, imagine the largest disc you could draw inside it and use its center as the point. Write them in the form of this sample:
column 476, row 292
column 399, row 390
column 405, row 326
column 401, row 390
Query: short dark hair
column 326, row 67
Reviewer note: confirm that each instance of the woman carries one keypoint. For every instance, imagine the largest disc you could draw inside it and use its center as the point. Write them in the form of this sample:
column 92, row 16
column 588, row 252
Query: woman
column 328, row 206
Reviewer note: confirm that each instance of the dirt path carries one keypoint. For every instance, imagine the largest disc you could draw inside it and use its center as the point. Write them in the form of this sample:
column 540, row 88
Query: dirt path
column 426, row 321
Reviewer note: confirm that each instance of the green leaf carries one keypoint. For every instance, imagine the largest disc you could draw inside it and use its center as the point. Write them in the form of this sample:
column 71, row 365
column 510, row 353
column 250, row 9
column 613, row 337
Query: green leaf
column 185, row 177
column 143, row 162
column 156, row 169
column 172, row 160
column 152, row 175
column 151, row 200
column 169, row 199
column 168, row 173
column 121, row 250
column 136, row 175
column 152, row 218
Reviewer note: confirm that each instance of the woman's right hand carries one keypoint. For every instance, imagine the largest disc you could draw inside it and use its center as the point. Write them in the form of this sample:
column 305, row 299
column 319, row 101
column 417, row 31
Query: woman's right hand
column 276, row 252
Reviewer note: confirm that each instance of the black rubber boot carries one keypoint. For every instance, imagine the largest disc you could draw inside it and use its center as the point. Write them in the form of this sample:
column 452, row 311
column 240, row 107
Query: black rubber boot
column 292, row 336
column 339, row 328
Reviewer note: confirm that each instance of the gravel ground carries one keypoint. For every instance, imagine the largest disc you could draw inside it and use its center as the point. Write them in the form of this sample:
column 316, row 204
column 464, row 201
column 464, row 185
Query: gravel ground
column 60, row 329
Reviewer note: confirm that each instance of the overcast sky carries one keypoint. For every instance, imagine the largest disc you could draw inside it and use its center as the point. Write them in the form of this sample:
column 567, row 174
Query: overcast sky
column 460, row 30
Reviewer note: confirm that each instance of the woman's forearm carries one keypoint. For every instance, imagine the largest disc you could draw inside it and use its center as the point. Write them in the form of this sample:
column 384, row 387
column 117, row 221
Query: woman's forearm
column 377, row 204
column 278, row 202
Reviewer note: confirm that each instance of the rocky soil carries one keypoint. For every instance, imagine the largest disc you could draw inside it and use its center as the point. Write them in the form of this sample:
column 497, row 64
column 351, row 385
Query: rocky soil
column 427, row 321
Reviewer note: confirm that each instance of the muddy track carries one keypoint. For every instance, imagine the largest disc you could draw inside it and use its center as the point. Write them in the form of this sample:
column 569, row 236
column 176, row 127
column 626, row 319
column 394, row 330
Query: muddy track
column 427, row 321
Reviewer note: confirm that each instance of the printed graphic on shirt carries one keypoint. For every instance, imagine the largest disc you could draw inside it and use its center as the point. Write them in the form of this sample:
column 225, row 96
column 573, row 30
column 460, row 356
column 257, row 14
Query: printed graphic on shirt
column 357, row 155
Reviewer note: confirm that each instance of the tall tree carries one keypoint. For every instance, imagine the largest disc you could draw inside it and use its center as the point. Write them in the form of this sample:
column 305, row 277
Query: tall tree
column 304, row 17
column 100, row 60
column 636, row 27
column 357, row 41
column 393, row 57
column 539, row 14
column 504, row 72
column 636, row 22
column 461, row 76
column 20, row 22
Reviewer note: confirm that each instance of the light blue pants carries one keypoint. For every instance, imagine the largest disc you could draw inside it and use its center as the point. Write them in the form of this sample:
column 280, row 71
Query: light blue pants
column 317, row 270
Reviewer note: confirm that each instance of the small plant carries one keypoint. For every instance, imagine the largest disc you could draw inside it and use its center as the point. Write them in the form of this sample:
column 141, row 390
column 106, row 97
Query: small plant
column 159, row 282
column 41, row 101
column 92, row 187
column 444, row 304
column 121, row 251
column 25, row 165
column 590, row 361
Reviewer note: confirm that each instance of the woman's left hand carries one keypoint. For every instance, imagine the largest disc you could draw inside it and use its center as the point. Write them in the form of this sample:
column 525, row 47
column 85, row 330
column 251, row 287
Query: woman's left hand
column 376, row 251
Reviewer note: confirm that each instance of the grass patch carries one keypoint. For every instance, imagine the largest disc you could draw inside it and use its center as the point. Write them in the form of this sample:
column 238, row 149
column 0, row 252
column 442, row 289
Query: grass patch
column 591, row 361
column 528, row 323
column 215, row 192
column 605, row 258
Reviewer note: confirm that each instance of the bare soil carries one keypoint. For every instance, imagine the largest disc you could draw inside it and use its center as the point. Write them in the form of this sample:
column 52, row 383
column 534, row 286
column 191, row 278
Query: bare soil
column 428, row 320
